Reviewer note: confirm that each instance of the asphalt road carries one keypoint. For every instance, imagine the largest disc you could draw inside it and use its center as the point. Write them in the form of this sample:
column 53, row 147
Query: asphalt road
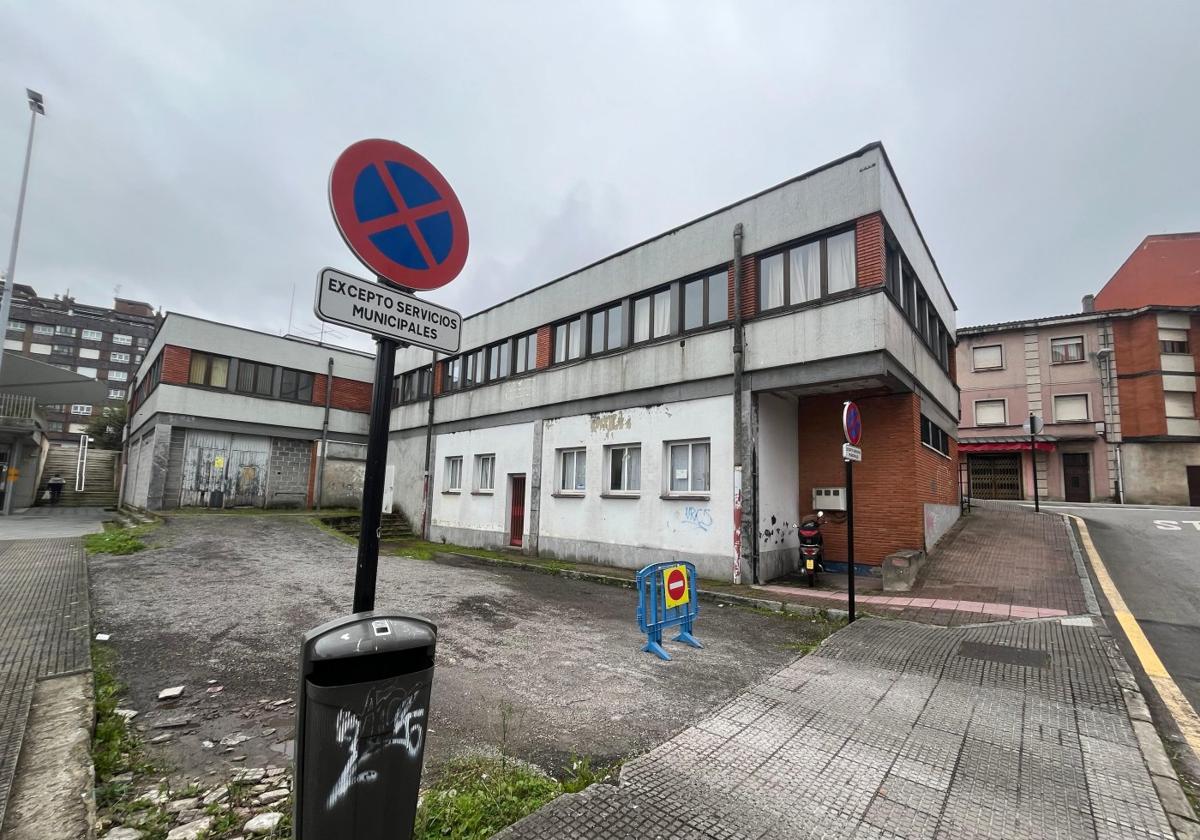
column 1153, row 556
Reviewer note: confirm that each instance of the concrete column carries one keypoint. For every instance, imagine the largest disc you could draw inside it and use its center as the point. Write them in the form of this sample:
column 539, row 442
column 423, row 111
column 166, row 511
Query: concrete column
column 533, row 514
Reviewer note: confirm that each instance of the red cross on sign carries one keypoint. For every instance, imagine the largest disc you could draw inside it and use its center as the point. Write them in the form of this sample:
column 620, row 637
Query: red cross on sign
column 398, row 214
column 675, row 586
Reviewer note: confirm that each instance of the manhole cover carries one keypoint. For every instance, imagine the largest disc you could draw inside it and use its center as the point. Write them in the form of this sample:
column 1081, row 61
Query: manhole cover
column 1004, row 654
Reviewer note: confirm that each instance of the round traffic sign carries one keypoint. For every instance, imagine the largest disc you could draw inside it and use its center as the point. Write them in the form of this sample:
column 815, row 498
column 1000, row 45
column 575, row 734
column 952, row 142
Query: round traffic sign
column 676, row 585
column 398, row 214
column 852, row 423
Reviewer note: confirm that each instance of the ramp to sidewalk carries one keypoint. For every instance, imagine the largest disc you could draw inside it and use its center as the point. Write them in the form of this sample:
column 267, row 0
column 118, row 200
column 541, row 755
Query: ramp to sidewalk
column 44, row 631
column 896, row 730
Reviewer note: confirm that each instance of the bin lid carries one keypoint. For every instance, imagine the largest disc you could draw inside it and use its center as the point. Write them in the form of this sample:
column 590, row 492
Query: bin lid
column 367, row 634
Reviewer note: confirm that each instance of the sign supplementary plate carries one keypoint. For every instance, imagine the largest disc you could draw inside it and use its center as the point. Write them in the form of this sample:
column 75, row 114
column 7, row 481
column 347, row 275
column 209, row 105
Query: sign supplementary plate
column 398, row 214
column 377, row 309
column 676, row 591
column 851, row 452
column 852, row 423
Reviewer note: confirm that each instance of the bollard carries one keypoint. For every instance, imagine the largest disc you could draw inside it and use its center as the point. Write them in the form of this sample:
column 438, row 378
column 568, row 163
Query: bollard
column 360, row 727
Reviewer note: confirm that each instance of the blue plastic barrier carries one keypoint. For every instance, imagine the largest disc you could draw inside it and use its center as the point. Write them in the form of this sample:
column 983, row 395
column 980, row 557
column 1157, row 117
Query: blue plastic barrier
column 658, row 609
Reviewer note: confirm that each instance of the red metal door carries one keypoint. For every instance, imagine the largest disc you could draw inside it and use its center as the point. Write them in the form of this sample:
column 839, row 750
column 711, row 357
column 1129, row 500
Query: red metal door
column 516, row 527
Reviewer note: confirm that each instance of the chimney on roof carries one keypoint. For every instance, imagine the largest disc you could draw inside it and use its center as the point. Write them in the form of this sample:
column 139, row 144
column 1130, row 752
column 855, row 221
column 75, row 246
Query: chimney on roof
column 1089, row 303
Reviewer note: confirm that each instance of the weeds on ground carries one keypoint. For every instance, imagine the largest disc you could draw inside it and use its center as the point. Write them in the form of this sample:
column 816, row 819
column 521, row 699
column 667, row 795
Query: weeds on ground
column 115, row 749
column 118, row 540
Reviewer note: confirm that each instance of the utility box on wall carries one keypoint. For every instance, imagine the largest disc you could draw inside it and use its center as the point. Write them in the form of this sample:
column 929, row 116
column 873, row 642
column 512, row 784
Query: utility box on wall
column 829, row 498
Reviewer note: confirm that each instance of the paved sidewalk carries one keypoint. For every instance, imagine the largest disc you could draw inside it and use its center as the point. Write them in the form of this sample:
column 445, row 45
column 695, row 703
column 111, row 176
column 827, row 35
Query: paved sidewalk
column 52, row 522
column 44, row 631
column 999, row 563
column 897, row 730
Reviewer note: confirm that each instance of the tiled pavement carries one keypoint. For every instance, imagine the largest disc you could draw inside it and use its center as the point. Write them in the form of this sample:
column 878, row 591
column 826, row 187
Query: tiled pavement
column 44, row 621
column 897, row 730
column 1000, row 563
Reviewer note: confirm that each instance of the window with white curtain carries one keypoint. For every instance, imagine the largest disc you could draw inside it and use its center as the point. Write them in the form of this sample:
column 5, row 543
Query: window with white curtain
column 662, row 313
column 1070, row 407
column 990, row 413
column 624, row 469
column 641, row 319
column 572, row 470
column 840, row 255
column 770, row 282
column 453, row 482
column 804, row 264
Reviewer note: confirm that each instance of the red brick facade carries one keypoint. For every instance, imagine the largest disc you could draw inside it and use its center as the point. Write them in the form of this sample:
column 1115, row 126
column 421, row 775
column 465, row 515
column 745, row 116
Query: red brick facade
column 177, row 361
column 347, row 394
column 896, row 478
column 1143, row 406
column 543, row 347
column 439, row 374
column 869, row 250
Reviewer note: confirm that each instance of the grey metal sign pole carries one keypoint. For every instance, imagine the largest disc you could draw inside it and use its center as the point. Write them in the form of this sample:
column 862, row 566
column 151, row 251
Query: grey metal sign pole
column 35, row 107
column 850, row 535
column 373, row 479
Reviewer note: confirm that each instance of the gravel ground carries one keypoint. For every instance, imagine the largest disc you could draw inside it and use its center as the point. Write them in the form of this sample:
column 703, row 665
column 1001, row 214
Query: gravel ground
column 542, row 666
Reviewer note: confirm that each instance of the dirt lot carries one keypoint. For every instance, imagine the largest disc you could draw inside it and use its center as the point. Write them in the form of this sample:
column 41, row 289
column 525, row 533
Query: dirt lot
column 544, row 666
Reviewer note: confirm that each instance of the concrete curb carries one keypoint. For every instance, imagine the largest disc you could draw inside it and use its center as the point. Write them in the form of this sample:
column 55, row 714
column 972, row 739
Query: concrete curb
column 1162, row 772
column 709, row 595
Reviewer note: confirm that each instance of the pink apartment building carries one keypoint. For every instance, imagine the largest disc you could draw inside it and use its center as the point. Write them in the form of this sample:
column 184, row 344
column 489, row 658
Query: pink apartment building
column 1058, row 369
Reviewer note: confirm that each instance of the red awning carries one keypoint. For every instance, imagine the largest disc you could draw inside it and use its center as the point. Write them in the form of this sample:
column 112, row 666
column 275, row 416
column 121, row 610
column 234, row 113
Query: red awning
column 1008, row 446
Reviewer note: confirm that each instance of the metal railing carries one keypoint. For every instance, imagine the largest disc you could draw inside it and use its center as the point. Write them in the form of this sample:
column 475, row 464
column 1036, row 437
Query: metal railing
column 18, row 406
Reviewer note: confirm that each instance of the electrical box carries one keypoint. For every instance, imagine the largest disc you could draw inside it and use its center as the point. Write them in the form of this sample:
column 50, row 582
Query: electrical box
column 829, row 498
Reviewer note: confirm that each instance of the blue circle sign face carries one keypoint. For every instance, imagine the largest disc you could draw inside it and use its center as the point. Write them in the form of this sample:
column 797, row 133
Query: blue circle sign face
column 398, row 214
column 852, row 423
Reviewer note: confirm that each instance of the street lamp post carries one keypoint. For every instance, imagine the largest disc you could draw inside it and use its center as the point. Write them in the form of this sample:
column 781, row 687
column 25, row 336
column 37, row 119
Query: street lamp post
column 36, row 106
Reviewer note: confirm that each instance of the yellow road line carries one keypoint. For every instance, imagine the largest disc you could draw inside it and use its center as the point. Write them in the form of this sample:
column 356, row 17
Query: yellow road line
column 1181, row 710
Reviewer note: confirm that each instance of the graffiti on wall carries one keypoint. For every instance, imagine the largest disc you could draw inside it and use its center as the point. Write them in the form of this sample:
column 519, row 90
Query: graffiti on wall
column 698, row 518
column 777, row 531
column 389, row 710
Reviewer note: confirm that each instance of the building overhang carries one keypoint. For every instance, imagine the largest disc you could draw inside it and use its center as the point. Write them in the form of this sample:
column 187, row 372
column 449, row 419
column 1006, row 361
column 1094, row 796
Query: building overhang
column 47, row 383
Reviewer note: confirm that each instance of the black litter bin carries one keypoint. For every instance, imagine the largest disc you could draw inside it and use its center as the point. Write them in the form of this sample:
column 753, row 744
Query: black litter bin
column 360, row 728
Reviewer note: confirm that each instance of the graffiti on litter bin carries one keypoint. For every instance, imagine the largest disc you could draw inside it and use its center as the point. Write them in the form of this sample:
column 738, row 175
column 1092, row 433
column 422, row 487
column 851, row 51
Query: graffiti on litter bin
column 392, row 713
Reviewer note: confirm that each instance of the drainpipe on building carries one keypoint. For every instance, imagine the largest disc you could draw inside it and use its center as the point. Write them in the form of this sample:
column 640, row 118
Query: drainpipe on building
column 428, row 483
column 742, row 530
column 325, row 434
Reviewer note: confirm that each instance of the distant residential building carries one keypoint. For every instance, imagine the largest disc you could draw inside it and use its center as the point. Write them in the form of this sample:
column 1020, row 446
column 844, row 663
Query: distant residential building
column 101, row 343
column 1053, row 368
column 1116, row 385
column 222, row 416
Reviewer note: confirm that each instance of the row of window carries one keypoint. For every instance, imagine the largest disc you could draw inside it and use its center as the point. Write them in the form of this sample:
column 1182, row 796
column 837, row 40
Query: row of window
column 934, row 436
column 1070, row 349
column 68, row 350
column 906, row 290
column 793, row 276
column 1068, row 408
column 687, row 470
column 72, row 332
column 253, row 378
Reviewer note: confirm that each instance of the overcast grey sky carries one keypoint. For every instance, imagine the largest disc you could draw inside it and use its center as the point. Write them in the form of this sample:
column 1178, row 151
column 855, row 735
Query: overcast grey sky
column 187, row 149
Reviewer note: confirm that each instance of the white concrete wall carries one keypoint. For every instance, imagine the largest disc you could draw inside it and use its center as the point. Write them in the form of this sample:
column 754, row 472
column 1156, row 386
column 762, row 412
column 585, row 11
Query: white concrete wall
column 223, row 405
column 470, row 516
column 239, row 343
column 631, row 532
column 795, row 209
column 905, row 228
column 778, row 485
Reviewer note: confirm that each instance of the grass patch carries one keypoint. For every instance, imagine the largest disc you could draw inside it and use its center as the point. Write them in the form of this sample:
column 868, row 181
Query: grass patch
column 115, row 749
column 476, row 797
column 117, row 540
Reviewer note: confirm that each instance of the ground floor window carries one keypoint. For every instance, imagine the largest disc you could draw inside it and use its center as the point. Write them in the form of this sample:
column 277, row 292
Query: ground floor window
column 688, row 467
column 485, row 472
column 572, row 470
column 453, row 474
column 934, row 436
column 624, row 469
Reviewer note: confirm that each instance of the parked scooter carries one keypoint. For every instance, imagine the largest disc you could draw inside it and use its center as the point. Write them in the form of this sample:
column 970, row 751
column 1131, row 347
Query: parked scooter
column 812, row 546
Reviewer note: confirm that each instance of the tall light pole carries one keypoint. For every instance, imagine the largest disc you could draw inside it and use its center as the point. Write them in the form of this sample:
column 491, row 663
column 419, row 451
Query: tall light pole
column 36, row 106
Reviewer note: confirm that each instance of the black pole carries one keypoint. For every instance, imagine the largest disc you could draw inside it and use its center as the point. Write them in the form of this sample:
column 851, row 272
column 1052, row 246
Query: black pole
column 850, row 533
column 373, row 478
column 1037, row 508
